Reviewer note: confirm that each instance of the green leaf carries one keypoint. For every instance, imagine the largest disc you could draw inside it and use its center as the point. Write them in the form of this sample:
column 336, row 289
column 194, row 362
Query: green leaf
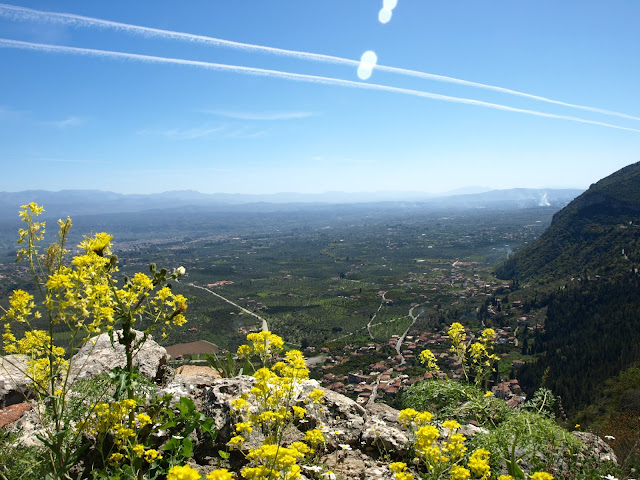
column 187, row 447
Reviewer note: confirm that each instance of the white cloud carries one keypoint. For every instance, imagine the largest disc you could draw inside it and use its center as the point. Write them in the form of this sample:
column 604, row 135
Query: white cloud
column 182, row 133
column 9, row 114
column 268, row 116
column 67, row 122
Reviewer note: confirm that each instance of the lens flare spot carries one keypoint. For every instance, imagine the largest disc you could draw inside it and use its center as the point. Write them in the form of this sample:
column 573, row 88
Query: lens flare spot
column 369, row 59
column 364, row 73
column 389, row 4
column 367, row 62
column 384, row 15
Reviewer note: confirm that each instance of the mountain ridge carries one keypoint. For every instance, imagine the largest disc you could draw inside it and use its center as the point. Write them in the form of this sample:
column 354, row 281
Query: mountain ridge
column 595, row 234
column 84, row 202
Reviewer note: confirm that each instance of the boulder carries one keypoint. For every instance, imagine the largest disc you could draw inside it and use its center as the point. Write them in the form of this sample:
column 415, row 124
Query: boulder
column 215, row 402
column 597, row 447
column 15, row 385
column 382, row 431
column 99, row 356
column 342, row 418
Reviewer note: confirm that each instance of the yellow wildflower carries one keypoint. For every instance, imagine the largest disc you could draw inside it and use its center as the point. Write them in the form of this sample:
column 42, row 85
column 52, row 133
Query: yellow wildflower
column 429, row 359
column 220, row 474
column 244, row 350
column 138, row 450
column 151, row 455
column 541, row 476
column 183, row 473
column 479, row 463
column 242, row 427
column 299, row 412
column 236, row 441
column 452, row 425
column 316, row 395
column 459, row 473
column 143, row 419
column 314, row 437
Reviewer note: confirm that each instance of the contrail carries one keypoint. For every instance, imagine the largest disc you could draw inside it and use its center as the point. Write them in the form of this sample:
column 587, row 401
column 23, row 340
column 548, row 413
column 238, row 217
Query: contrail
column 6, row 43
column 28, row 14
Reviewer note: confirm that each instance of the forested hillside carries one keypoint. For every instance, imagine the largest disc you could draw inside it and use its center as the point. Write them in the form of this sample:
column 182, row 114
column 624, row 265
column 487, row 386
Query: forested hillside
column 587, row 262
column 598, row 233
column 591, row 333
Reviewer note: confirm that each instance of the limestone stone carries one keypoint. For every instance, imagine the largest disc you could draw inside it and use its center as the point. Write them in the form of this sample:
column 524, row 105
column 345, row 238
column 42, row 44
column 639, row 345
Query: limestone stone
column 99, row 356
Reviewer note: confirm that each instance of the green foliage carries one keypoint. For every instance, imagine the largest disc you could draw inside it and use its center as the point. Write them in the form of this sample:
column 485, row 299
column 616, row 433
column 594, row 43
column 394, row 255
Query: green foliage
column 595, row 234
column 623, row 390
column 448, row 399
column 532, row 441
column 18, row 462
column 591, row 332
column 229, row 365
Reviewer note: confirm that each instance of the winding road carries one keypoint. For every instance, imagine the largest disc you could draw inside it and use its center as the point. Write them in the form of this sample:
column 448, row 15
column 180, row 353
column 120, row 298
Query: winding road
column 414, row 318
column 265, row 325
column 382, row 302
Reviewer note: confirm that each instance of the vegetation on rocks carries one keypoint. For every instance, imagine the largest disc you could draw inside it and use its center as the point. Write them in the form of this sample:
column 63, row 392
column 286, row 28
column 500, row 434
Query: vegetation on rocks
column 281, row 426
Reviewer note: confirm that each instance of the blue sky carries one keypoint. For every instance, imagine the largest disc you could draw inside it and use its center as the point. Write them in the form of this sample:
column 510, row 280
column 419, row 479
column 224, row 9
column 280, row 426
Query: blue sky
column 75, row 119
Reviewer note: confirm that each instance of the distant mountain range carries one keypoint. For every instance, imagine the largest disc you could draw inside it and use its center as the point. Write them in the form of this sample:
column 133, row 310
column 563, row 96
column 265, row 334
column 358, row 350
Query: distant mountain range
column 89, row 202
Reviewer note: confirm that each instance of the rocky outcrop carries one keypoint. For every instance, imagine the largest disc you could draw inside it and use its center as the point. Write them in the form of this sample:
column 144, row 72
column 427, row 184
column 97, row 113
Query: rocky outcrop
column 15, row 385
column 361, row 442
column 99, row 356
column 597, row 446
column 347, row 425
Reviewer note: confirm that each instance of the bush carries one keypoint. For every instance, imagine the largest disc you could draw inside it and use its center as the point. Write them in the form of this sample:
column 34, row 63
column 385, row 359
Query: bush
column 448, row 399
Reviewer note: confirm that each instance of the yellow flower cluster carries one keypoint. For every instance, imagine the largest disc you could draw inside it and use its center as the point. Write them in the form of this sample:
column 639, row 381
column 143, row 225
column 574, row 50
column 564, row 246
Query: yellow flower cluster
column 479, row 464
column 457, row 335
column 314, row 437
column 275, row 461
column 541, row 476
column 263, row 344
column 21, row 306
column 459, row 473
column 316, row 396
column 46, row 364
column 429, row 359
column 412, row 419
column 113, row 418
column 441, row 451
column 34, row 231
column 478, row 356
column 275, row 397
column 399, row 469
column 183, row 473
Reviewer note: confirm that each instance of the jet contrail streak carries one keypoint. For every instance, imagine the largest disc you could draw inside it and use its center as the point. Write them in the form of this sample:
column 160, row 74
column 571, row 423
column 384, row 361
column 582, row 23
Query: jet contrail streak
column 28, row 14
column 6, row 43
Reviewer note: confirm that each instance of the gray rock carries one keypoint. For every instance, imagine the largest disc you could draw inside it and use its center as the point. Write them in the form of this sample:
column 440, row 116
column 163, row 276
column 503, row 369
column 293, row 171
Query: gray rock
column 342, row 418
column 216, row 399
column 15, row 385
column 383, row 432
column 355, row 465
column 99, row 356
column 28, row 427
column 597, row 447
column 471, row 430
